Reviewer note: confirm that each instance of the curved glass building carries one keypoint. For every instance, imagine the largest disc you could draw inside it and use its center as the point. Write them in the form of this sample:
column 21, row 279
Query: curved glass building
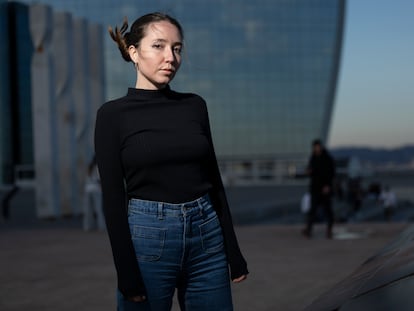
column 267, row 69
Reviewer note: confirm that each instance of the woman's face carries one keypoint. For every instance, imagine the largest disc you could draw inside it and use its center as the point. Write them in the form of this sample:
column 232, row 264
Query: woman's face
column 158, row 56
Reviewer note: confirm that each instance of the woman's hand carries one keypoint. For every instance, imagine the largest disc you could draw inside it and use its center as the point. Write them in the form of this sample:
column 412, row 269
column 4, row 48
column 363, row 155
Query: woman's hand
column 240, row 279
column 137, row 298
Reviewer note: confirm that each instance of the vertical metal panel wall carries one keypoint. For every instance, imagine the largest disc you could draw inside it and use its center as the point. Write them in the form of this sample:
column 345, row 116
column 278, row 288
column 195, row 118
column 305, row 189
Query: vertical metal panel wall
column 44, row 113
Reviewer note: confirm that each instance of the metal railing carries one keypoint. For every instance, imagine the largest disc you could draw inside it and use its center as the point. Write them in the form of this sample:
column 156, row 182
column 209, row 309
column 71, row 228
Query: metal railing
column 260, row 171
column 24, row 176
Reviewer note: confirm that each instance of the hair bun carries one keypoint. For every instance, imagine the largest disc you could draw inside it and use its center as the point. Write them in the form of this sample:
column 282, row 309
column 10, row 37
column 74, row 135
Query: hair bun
column 120, row 37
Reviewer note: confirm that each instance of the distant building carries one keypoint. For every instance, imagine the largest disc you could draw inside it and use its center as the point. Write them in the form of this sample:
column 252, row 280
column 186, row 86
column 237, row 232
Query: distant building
column 20, row 58
column 6, row 156
column 16, row 146
column 51, row 84
column 268, row 70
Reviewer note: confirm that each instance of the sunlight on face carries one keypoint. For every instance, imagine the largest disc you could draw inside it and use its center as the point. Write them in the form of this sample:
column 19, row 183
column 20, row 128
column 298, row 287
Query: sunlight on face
column 159, row 55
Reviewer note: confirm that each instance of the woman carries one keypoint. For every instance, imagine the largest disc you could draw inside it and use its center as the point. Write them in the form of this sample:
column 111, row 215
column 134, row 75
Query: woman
column 167, row 215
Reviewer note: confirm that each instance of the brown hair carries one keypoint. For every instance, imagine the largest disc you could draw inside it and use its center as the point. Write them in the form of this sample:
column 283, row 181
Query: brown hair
column 138, row 30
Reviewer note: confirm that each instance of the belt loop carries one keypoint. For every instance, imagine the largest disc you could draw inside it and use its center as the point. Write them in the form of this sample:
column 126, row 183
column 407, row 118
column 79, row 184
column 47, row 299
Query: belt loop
column 160, row 216
column 200, row 206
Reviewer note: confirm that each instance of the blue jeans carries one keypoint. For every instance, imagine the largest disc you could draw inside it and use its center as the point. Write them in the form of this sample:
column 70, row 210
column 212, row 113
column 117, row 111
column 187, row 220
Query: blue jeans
column 179, row 246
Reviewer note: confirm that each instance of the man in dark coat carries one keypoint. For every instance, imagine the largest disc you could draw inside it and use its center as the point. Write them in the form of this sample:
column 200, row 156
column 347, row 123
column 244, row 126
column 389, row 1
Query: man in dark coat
column 321, row 170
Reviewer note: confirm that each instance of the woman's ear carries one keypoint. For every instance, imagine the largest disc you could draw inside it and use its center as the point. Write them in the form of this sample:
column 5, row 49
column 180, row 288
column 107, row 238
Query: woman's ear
column 133, row 54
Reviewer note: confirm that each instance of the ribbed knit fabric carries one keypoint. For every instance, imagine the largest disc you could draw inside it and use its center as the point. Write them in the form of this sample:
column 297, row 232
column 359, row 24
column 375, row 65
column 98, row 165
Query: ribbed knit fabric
column 156, row 145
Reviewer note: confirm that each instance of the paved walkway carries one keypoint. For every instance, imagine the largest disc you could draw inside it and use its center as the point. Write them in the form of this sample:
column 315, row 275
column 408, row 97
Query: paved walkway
column 49, row 266
column 54, row 265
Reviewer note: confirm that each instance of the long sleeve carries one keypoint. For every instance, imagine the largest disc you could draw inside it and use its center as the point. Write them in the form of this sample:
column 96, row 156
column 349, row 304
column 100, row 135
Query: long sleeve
column 237, row 263
column 107, row 149
column 156, row 145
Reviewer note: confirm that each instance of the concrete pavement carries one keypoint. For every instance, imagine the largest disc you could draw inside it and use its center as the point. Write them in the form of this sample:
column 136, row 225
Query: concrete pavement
column 54, row 265
column 48, row 267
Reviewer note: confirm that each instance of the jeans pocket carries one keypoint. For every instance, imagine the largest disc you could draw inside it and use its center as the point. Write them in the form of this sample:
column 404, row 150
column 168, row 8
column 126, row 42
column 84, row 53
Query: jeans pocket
column 148, row 242
column 211, row 235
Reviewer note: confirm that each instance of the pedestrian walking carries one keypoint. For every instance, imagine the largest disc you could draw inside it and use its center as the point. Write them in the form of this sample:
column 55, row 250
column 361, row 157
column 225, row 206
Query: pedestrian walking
column 321, row 170
column 93, row 214
column 389, row 202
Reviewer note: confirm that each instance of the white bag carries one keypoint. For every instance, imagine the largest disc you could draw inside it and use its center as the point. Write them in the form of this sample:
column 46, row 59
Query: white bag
column 305, row 203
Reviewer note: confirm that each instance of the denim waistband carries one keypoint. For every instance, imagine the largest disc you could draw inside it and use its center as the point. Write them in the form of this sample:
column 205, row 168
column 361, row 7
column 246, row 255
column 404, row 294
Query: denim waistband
column 172, row 209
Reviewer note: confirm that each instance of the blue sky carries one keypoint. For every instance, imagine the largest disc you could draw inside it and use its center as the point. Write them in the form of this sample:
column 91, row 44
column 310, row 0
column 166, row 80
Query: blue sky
column 375, row 96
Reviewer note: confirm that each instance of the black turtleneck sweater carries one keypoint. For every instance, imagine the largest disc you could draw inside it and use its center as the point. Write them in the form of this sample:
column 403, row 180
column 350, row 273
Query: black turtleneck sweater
column 156, row 145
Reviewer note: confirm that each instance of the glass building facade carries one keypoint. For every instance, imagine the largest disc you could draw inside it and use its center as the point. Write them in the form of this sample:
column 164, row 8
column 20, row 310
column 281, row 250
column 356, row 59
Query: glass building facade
column 267, row 69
